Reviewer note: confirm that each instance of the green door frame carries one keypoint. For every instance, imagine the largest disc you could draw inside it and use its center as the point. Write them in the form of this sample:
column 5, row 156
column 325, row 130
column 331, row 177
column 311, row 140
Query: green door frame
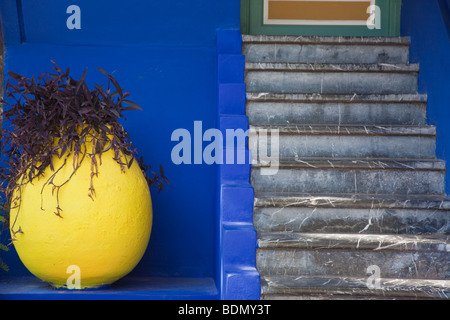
column 252, row 23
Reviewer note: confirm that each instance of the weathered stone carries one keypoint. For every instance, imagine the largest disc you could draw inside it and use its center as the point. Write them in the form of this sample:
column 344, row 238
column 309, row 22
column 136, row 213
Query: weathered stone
column 346, row 220
column 358, row 186
column 308, row 288
column 331, row 79
column 325, row 53
column 342, row 109
column 365, row 177
column 328, row 141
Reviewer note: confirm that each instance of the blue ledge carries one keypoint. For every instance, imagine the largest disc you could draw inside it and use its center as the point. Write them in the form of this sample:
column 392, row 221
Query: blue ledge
column 30, row 288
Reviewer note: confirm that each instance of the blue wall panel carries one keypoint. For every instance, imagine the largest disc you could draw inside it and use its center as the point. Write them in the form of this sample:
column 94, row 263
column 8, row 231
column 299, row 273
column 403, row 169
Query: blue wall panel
column 430, row 46
column 175, row 22
column 173, row 93
column 166, row 55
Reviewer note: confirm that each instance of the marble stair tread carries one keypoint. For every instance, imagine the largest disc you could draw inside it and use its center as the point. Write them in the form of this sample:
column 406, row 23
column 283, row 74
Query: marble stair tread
column 325, row 49
column 364, row 130
column 311, row 175
column 327, row 78
column 377, row 201
column 351, row 141
column 340, row 241
column 332, row 67
column 317, row 287
column 402, row 41
column 350, row 98
column 312, row 109
column 351, row 213
column 362, row 164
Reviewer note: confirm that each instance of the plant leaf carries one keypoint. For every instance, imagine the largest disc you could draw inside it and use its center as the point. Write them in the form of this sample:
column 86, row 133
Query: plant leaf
column 14, row 76
column 3, row 266
column 80, row 82
column 130, row 163
column 103, row 71
column 116, row 85
column 132, row 105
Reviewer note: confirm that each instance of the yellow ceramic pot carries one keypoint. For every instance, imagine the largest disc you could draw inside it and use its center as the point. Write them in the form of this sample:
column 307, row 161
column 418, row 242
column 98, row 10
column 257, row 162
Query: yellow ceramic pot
column 95, row 241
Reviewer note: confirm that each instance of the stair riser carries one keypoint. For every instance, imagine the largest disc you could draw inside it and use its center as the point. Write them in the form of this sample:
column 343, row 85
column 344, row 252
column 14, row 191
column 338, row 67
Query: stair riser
column 392, row 264
column 307, row 295
column 350, row 181
column 343, row 220
column 334, row 113
column 292, row 146
column 308, row 288
column 331, row 82
column 317, row 53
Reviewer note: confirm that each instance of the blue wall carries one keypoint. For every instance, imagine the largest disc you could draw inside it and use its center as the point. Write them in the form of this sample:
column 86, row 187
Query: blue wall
column 164, row 53
column 131, row 22
column 430, row 46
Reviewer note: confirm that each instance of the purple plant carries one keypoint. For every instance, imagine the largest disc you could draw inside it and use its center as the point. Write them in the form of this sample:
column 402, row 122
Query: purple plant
column 56, row 115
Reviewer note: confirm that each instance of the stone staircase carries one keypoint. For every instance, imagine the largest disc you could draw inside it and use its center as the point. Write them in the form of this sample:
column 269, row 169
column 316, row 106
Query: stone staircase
column 357, row 209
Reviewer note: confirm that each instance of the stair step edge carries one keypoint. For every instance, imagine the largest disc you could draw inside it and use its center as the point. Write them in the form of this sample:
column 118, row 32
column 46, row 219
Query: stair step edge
column 347, row 129
column 335, row 286
column 358, row 164
column 333, row 98
column 350, row 241
column 260, row 39
column 330, row 67
column 352, row 201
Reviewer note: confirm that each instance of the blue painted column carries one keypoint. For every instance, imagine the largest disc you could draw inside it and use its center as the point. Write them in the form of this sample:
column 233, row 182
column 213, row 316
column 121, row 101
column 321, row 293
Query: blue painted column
column 239, row 278
column 181, row 62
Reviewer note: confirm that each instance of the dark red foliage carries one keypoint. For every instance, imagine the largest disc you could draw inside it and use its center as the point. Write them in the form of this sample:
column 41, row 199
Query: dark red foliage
column 55, row 115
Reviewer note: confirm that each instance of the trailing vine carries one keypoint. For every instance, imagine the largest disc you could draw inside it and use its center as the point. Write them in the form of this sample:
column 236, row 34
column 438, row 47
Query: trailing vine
column 3, row 265
column 58, row 116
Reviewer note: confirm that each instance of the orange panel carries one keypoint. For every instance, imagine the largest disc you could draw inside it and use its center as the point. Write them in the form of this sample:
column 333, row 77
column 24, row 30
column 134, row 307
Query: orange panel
column 318, row 10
